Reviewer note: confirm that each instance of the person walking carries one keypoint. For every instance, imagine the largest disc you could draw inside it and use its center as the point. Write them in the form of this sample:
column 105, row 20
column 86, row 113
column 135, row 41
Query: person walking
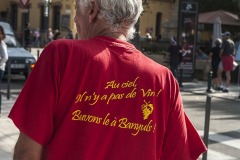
column 227, row 58
column 215, row 59
column 99, row 98
column 3, row 59
column 175, row 53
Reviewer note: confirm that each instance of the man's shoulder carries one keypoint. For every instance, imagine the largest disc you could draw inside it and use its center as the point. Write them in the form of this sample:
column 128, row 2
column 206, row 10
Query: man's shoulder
column 62, row 43
column 229, row 42
column 151, row 64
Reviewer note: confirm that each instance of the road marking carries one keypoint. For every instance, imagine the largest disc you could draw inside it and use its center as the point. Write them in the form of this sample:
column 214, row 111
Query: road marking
column 223, row 139
column 214, row 155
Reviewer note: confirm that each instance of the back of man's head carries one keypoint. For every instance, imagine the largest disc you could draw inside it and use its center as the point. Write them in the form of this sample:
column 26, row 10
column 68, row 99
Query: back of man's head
column 117, row 13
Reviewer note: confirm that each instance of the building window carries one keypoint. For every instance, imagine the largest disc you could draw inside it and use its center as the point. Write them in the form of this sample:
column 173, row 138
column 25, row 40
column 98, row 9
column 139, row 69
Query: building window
column 3, row 15
column 43, row 19
column 158, row 24
column 14, row 16
column 56, row 11
column 25, row 17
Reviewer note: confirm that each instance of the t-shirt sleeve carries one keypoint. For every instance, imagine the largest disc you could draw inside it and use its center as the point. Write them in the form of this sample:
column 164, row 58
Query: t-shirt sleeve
column 33, row 110
column 181, row 140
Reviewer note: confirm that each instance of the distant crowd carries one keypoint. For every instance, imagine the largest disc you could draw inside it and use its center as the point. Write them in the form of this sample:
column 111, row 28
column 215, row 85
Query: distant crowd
column 33, row 37
column 222, row 57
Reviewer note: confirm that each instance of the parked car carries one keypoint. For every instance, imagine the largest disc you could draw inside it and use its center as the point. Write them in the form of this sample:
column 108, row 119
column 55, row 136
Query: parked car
column 21, row 60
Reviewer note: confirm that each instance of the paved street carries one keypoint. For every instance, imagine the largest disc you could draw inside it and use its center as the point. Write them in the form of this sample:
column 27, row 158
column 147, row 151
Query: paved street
column 224, row 135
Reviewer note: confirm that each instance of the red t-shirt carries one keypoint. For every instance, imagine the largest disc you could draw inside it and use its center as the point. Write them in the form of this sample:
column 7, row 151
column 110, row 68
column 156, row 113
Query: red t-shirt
column 102, row 99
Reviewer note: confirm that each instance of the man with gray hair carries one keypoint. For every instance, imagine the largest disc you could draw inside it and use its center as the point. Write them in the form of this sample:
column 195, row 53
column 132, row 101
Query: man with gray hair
column 99, row 98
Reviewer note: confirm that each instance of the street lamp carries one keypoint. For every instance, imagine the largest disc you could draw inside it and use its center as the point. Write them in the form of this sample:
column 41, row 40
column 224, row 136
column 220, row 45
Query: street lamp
column 46, row 4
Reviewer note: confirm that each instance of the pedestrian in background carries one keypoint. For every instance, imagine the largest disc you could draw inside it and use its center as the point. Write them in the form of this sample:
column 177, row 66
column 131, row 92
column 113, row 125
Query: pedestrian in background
column 70, row 34
column 50, row 35
column 175, row 54
column 57, row 35
column 27, row 36
column 148, row 37
column 90, row 97
column 55, row 31
column 201, row 54
column 214, row 59
column 3, row 58
column 36, row 37
column 227, row 58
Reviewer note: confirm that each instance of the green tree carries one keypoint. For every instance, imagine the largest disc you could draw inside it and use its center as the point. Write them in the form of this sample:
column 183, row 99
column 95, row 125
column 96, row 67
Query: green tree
column 212, row 5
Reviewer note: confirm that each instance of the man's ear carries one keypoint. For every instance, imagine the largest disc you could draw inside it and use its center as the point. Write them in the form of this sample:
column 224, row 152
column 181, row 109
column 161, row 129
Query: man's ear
column 93, row 11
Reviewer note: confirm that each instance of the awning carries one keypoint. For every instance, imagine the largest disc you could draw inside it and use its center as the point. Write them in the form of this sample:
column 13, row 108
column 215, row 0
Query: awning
column 227, row 18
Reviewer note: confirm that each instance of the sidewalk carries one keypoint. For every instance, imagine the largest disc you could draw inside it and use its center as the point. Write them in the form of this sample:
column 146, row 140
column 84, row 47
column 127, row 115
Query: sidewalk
column 36, row 52
column 9, row 134
column 200, row 87
column 224, row 131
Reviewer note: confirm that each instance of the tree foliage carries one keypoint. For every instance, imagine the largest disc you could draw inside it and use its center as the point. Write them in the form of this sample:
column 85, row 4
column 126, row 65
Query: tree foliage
column 212, row 5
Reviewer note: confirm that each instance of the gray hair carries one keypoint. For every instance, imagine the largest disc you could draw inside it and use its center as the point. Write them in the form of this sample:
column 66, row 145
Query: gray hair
column 118, row 13
column 218, row 42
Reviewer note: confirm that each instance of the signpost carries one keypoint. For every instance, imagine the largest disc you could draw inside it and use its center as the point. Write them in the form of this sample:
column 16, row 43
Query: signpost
column 187, row 36
column 24, row 3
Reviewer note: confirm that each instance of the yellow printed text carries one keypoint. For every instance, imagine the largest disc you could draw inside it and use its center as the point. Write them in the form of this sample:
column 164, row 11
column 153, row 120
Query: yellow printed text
column 124, row 123
column 78, row 116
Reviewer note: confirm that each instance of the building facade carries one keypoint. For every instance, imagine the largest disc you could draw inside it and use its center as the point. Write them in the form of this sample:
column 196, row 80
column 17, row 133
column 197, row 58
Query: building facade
column 159, row 17
column 57, row 14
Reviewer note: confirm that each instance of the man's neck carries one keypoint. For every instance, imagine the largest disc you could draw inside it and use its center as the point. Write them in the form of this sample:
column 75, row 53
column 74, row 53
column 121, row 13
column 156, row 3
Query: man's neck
column 99, row 28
